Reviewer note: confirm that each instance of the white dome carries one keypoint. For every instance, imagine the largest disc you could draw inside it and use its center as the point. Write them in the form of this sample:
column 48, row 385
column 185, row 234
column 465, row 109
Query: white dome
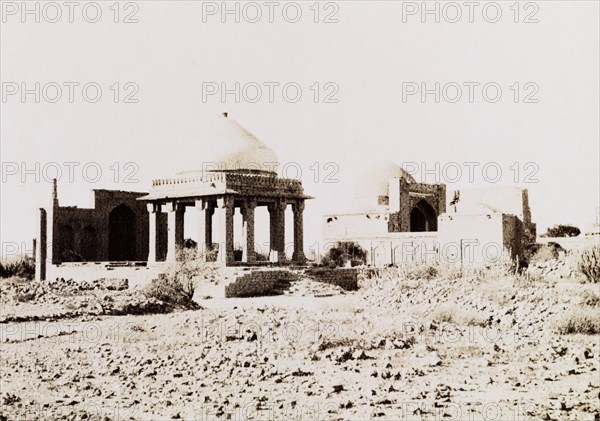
column 233, row 148
column 374, row 182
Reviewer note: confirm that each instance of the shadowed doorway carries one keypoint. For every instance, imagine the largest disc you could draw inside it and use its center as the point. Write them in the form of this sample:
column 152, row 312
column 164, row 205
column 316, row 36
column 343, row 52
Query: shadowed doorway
column 423, row 218
column 121, row 234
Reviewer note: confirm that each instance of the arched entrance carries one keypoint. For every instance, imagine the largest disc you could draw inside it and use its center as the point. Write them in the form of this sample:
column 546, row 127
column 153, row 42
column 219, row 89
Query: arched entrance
column 121, row 234
column 423, row 218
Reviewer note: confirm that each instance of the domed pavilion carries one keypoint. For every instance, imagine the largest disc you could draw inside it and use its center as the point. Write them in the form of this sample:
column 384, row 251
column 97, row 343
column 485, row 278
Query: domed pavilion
column 240, row 174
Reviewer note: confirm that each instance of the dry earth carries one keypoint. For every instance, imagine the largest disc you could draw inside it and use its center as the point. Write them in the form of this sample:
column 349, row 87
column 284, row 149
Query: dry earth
column 467, row 349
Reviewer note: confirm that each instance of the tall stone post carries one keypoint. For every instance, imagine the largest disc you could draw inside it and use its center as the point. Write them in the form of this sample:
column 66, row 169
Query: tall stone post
column 175, row 213
column 249, row 211
column 224, row 229
column 209, row 210
column 41, row 248
column 272, row 230
column 202, row 234
column 244, row 239
column 52, row 251
column 277, row 223
column 298, row 209
column 153, row 239
column 281, row 231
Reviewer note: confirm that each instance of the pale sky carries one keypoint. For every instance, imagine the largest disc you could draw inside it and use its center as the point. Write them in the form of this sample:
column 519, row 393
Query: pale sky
column 367, row 57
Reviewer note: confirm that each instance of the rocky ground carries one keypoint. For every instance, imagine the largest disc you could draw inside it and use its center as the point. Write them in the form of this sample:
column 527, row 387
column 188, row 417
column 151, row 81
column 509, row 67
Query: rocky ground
column 466, row 348
column 23, row 300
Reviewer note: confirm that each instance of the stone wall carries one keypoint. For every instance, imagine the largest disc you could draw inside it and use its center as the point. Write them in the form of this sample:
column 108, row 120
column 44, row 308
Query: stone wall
column 394, row 214
column 461, row 239
column 405, row 196
column 395, row 248
column 479, row 238
column 504, row 199
column 345, row 278
column 351, row 226
column 260, row 283
column 572, row 243
column 83, row 234
column 138, row 275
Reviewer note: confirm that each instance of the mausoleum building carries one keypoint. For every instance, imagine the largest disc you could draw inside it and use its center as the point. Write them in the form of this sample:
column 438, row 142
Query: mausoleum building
column 398, row 220
column 148, row 227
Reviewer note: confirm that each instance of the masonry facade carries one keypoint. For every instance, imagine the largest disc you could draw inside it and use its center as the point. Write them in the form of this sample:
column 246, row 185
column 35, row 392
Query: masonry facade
column 148, row 227
column 115, row 228
column 398, row 221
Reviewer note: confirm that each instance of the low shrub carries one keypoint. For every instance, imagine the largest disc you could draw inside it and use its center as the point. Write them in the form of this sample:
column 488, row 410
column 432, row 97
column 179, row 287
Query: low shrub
column 25, row 297
column 580, row 320
column 562, row 231
column 421, row 271
column 536, row 253
column 188, row 243
column 474, row 318
column 590, row 298
column 445, row 314
column 23, row 267
column 179, row 285
column 504, row 267
column 589, row 264
column 451, row 313
column 429, row 271
column 343, row 252
column 169, row 291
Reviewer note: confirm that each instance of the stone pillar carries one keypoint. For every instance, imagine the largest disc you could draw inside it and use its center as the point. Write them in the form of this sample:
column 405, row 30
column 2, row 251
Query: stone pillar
column 249, row 210
column 272, row 229
column 273, row 232
column 277, row 222
column 298, row 209
column 281, row 232
column 175, row 213
column 224, row 230
column 244, row 239
column 153, row 238
column 203, row 244
column 209, row 210
column 41, row 248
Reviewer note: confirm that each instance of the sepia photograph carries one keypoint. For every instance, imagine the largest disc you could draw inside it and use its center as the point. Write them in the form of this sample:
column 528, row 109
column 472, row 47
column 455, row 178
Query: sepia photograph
column 303, row 210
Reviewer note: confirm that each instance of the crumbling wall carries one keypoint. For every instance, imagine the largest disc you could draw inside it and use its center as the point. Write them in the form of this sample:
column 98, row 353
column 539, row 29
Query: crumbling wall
column 260, row 283
column 345, row 278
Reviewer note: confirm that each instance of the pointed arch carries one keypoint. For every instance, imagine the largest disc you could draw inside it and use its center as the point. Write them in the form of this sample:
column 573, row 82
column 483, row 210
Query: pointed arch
column 423, row 217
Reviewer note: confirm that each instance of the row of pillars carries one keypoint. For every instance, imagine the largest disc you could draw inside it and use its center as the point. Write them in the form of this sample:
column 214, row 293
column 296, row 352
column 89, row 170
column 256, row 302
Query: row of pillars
column 215, row 223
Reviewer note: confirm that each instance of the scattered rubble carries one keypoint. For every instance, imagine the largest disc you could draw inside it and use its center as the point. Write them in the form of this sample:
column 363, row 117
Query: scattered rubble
column 383, row 352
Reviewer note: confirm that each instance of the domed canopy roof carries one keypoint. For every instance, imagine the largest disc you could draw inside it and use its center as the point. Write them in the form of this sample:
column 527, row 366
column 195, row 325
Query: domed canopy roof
column 374, row 182
column 233, row 148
